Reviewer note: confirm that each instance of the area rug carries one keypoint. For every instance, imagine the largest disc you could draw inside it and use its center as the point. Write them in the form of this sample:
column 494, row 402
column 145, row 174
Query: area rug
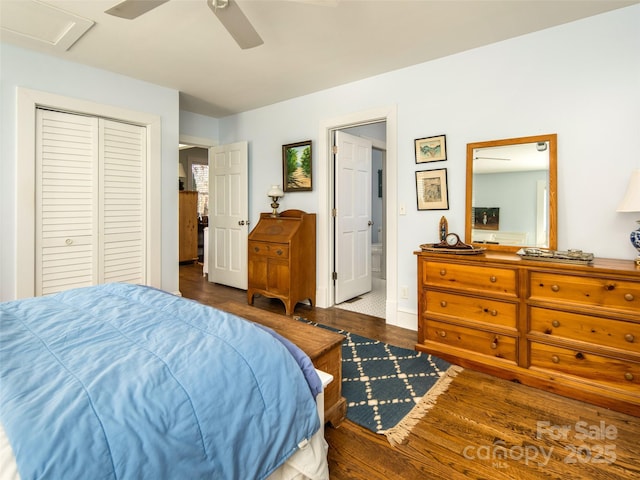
column 389, row 389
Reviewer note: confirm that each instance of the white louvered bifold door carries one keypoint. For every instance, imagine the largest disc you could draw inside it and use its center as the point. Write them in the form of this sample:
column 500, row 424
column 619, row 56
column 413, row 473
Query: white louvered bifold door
column 66, row 201
column 90, row 202
column 122, row 202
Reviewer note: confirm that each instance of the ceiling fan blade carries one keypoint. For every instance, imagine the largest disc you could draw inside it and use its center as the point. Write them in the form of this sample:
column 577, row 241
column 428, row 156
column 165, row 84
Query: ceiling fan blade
column 236, row 23
column 131, row 9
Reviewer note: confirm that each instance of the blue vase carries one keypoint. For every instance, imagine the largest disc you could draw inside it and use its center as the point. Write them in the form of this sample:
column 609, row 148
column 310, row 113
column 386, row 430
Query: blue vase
column 635, row 241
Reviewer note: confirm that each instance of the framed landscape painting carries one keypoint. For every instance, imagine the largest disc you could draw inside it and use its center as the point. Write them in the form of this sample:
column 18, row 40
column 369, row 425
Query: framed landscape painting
column 296, row 167
column 431, row 149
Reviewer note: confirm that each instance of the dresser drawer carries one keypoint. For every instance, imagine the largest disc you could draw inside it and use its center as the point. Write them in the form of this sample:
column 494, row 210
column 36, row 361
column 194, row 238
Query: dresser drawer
column 479, row 341
column 276, row 250
column 598, row 291
column 485, row 310
column 585, row 328
column 615, row 372
column 471, row 277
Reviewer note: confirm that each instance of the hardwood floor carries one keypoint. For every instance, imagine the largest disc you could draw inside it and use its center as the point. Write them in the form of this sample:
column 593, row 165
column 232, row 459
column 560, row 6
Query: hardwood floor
column 482, row 427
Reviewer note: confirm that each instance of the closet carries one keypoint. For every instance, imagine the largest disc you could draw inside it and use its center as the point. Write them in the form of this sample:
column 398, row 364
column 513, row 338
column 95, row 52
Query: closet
column 90, row 212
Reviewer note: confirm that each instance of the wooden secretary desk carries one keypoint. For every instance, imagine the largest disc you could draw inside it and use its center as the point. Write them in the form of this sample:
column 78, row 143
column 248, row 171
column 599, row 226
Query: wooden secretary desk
column 282, row 258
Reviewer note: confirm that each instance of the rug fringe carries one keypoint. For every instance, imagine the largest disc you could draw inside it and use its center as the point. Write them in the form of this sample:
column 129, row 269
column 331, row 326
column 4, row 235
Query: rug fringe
column 398, row 434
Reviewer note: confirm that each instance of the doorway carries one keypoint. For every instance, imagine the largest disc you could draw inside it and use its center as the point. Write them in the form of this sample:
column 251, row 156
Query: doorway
column 371, row 298
column 325, row 294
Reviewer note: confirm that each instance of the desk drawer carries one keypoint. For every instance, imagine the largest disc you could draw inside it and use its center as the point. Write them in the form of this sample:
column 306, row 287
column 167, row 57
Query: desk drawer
column 479, row 341
column 276, row 250
column 485, row 310
column 598, row 291
column 471, row 277
column 595, row 330
column 623, row 374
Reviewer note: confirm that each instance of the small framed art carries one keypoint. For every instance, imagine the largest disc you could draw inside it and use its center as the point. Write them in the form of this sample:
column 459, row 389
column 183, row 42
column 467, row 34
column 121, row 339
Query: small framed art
column 432, row 190
column 296, row 166
column 485, row 218
column 431, row 149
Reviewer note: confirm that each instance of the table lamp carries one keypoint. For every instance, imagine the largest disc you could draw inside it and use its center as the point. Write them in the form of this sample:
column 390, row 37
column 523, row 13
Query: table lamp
column 631, row 203
column 275, row 192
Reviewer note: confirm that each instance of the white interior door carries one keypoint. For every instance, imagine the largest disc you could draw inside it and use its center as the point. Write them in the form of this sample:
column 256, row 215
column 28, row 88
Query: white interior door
column 66, row 213
column 353, row 216
column 122, row 206
column 228, row 214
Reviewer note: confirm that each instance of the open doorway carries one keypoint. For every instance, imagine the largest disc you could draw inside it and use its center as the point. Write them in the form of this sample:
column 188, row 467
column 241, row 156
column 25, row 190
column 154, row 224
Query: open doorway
column 370, row 298
column 193, row 177
column 193, row 215
column 324, row 172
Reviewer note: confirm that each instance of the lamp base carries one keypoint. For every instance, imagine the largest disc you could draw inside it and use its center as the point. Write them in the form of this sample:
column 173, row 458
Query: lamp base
column 635, row 241
column 274, row 206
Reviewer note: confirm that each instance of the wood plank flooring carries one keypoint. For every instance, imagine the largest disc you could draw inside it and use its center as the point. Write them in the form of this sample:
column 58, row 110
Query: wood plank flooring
column 481, row 428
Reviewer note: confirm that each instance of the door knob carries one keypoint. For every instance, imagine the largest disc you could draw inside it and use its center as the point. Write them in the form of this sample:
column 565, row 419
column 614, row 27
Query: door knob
column 370, row 222
column 241, row 222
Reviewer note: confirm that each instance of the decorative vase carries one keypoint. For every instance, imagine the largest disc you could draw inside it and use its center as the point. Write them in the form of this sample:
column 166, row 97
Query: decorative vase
column 635, row 241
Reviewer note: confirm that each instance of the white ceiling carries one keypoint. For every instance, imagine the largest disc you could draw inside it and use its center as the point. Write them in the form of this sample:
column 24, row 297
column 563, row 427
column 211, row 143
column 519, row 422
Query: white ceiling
column 309, row 45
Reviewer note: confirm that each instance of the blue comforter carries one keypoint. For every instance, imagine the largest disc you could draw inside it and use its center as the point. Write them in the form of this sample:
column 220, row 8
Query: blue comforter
column 123, row 381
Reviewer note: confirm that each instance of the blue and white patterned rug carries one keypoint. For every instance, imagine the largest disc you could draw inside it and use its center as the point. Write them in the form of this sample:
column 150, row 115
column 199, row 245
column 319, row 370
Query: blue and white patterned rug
column 389, row 389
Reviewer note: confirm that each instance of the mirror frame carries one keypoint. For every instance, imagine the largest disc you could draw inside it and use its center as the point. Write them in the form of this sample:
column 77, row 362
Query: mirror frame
column 552, row 138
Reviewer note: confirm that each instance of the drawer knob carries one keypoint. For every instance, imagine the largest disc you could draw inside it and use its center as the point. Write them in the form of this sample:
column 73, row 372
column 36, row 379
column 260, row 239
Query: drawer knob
column 443, row 303
column 442, row 333
column 279, row 252
column 494, row 344
column 555, row 359
column 493, row 279
column 256, row 249
column 555, row 323
column 628, row 376
column 629, row 338
column 68, row 241
column 494, row 313
column 443, row 272
column 555, row 288
column 628, row 297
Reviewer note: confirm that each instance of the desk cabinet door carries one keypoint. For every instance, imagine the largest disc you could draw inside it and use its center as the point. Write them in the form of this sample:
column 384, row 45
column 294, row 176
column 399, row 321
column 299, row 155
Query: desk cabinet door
column 278, row 277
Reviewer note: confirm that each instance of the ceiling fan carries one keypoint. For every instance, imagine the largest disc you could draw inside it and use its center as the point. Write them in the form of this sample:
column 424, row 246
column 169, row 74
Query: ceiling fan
column 492, row 158
column 227, row 11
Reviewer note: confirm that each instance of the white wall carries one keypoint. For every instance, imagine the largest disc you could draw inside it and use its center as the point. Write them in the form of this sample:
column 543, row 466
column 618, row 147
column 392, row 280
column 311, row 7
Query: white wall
column 580, row 80
column 24, row 68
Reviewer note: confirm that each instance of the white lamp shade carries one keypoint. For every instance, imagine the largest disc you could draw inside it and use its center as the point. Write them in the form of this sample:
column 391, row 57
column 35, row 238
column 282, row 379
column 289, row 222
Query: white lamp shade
column 275, row 191
column 181, row 172
column 631, row 200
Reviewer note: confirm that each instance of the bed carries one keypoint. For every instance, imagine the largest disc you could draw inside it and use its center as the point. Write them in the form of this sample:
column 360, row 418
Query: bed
column 125, row 381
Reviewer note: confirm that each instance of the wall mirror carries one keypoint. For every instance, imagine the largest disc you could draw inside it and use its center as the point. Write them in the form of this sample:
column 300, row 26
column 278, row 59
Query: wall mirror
column 511, row 193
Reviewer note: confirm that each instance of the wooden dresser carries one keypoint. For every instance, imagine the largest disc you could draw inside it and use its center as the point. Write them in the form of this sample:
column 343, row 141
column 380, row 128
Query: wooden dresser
column 188, row 224
column 282, row 258
column 570, row 329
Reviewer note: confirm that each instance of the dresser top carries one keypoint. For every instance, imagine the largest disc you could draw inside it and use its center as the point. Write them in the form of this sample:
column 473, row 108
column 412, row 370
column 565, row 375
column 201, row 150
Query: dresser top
column 599, row 265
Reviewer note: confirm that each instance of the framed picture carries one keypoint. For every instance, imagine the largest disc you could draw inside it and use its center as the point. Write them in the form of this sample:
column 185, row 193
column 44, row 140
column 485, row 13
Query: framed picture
column 431, row 190
column 431, row 149
column 486, row 218
column 296, row 166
